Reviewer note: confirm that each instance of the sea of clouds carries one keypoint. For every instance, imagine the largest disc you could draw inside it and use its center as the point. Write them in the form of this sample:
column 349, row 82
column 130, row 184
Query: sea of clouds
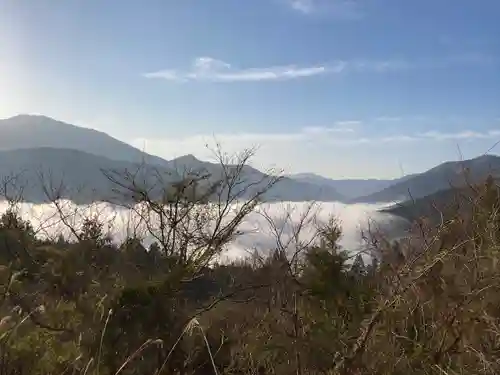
column 257, row 232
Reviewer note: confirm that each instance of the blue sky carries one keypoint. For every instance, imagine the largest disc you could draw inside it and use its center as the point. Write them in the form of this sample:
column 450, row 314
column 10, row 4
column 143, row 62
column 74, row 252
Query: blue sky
column 366, row 88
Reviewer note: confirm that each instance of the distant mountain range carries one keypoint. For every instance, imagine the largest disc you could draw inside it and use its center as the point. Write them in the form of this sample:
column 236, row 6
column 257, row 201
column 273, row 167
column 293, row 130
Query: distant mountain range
column 349, row 188
column 27, row 132
column 443, row 177
column 76, row 155
column 77, row 173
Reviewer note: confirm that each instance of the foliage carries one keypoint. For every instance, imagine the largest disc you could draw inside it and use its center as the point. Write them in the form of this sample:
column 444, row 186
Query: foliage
column 428, row 304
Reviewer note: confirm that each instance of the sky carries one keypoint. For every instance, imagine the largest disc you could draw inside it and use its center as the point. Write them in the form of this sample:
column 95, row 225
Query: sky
column 342, row 88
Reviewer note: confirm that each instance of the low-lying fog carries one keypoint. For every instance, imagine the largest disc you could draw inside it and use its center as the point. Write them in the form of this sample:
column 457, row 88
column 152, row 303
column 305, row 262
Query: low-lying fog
column 257, row 232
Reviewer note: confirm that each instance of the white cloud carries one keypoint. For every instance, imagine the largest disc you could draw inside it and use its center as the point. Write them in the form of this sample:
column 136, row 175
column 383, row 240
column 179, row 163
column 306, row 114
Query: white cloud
column 209, row 69
column 348, row 124
column 494, row 133
column 327, row 150
column 344, row 9
column 398, row 138
column 256, row 231
column 381, row 66
column 465, row 134
column 304, row 6
column 238, row 141
column 390, row 65
column 316, row 130
column 314, row 135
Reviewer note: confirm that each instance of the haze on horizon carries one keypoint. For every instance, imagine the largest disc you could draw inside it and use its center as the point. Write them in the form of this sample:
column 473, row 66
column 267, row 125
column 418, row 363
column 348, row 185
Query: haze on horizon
column 339, row 88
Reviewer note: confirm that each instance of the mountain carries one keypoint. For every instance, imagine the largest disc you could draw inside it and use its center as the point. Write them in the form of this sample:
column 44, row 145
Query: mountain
column 287, row 189
column 30, row 131
column 429, row 206
column 447, row 203
column 443, row 177
column 31, row 143
column 350, row 188
column 79, row 174
column 82, row 175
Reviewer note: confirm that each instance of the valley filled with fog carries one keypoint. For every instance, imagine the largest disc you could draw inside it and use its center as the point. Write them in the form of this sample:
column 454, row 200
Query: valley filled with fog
column 258, row 230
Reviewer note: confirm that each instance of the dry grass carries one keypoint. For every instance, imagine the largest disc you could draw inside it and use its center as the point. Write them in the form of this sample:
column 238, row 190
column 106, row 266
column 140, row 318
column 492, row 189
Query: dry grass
column 430, row 305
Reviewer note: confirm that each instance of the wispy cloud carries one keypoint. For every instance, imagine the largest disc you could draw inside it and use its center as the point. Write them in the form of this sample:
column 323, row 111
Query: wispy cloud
column 348, row 124
column 381, row 66
column 442, row 62
column 304, row 6
column 316, row 130
column 324, row 148
column 345, row 9
column 208, row 69
column 464, row 135
column 317, row 135
column 304, row 134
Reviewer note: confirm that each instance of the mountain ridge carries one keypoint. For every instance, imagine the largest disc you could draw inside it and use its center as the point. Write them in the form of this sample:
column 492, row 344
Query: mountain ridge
column 450, row 174
column 82, row 175
column 40, row 138
column 349, row 188
column 36, row 131
column 41, row 133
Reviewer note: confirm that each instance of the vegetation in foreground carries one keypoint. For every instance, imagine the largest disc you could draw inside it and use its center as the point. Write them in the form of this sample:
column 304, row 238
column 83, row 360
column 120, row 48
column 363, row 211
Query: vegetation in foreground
column 428, row 305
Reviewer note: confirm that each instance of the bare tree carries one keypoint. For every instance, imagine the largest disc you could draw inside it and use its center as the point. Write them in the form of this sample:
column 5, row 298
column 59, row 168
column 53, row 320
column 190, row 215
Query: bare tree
column 193, row 214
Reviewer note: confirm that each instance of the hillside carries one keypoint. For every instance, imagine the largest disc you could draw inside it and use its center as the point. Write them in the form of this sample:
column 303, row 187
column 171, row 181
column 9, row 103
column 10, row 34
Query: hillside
column 288, row 189
column 442, row 204
column 28, row 131
column 430, row 206
column 83, row 179
column 443, row 177
column 32, row 143
column 349, row 188
column 79, row 174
